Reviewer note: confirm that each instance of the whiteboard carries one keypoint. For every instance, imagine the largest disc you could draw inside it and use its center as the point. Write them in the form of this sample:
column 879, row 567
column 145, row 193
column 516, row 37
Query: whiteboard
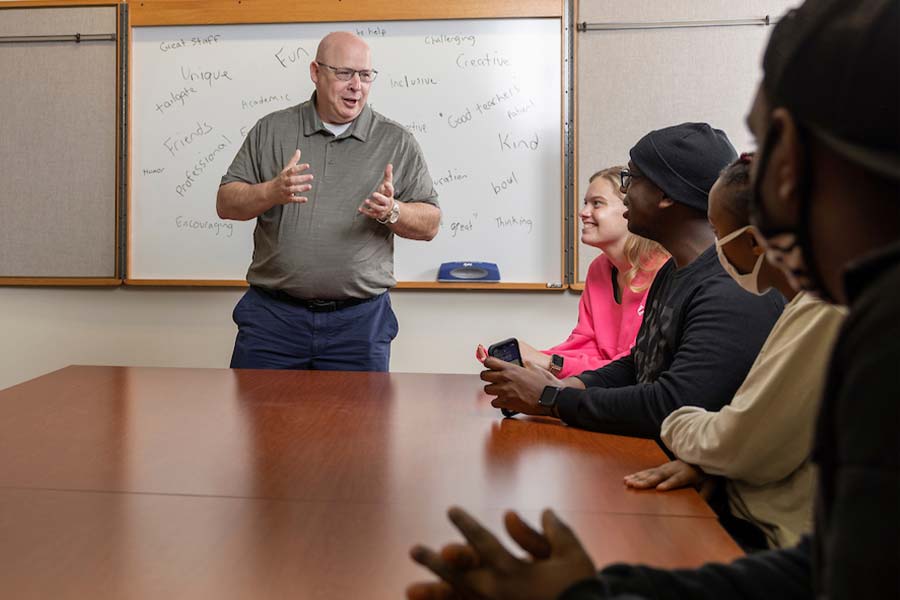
column 482, row 97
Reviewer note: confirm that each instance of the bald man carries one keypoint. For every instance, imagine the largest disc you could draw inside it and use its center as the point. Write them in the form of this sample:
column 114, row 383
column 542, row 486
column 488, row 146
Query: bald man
column 323, row 245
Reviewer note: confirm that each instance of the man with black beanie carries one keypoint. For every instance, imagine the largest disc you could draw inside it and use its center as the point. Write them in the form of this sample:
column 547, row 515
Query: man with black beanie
column 827, row 201
column 701, row 332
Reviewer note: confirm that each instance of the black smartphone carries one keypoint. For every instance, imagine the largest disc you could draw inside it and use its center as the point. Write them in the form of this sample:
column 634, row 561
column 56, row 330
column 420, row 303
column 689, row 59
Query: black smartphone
column 507, row 350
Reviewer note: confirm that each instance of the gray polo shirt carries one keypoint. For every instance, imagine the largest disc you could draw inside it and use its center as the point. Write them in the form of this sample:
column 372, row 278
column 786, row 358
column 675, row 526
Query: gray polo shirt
column 325, row 248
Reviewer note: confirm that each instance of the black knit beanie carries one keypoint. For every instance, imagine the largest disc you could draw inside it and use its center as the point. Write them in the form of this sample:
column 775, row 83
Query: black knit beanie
column 684, row 160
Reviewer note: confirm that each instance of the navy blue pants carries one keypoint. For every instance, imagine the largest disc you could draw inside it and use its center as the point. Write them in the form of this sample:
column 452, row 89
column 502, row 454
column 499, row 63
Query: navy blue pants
column 277, row 334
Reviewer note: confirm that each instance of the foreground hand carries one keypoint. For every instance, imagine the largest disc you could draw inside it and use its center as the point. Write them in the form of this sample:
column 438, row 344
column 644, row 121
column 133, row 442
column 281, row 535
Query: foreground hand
column 484, row 569
column 669, row 476
column 378, row 205
column 288, row 186
column 517, row 388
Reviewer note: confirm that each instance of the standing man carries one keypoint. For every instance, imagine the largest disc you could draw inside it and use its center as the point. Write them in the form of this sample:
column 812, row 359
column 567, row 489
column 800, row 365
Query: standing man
column 324, row 239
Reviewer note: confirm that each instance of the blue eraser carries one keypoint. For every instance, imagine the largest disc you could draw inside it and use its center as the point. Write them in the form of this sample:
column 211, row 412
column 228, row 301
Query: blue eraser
column 469, row 271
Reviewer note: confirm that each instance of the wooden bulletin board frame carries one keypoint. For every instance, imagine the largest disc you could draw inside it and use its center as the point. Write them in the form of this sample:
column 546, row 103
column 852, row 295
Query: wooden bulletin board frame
column 116, row 280
column 148, row 13
column 576, row 284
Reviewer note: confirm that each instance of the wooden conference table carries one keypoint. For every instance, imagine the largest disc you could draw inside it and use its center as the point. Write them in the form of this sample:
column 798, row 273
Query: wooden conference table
column 205, row 483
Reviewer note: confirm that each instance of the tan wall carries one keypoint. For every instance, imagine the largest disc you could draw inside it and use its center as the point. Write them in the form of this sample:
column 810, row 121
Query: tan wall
column 48, row 328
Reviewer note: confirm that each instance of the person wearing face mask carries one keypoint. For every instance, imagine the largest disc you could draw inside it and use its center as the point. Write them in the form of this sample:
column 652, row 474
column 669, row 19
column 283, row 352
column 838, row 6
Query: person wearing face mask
column 828, row 118
column 323, row 245
column 761, row 441
column 615, row 289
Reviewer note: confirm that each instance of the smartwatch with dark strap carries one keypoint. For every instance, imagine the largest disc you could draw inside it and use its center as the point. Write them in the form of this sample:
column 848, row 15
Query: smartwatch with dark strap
column 548, row 398
column 556, row 364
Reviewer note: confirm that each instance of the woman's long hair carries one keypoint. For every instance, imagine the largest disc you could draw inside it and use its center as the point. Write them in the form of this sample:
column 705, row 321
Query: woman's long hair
column 645, row 256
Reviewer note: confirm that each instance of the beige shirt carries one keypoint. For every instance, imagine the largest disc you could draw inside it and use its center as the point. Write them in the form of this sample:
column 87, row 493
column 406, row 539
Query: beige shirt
column 761, row 441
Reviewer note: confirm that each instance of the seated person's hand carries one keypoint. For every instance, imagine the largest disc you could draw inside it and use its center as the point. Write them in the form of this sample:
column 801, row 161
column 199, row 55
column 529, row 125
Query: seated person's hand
column 533, row 356
column 483, row 568
column 481, row 353
column 669, row 476
column 528, row 352
column 517, row 388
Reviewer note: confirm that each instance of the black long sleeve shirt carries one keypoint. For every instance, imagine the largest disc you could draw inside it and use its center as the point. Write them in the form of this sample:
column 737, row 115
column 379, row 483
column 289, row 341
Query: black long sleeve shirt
column 781, row 574
column 700, row 336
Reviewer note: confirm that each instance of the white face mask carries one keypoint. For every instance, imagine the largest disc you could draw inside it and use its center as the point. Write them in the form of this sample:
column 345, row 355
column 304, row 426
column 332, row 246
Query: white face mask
column 748, row 281
column 784, row 252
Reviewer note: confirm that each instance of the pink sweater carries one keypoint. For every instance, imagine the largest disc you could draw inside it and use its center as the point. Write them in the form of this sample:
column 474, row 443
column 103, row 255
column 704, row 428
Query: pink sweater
column 605, row 330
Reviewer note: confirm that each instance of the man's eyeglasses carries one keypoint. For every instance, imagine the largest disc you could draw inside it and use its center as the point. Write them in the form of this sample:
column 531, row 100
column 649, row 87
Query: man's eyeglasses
column 625, row 178
column 342, row 74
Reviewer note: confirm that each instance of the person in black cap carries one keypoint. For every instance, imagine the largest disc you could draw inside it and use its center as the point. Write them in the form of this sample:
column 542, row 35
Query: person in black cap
column 827, row 200
column 701, row 332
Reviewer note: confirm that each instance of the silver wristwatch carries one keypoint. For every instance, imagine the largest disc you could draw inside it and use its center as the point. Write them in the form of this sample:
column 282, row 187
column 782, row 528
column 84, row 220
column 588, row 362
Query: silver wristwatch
column 393, row 216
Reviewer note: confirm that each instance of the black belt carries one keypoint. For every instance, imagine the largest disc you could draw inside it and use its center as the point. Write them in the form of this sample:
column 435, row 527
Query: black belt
column 314, row 305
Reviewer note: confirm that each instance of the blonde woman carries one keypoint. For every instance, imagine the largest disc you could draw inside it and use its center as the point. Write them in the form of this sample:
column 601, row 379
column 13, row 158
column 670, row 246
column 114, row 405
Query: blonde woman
column 616, row 286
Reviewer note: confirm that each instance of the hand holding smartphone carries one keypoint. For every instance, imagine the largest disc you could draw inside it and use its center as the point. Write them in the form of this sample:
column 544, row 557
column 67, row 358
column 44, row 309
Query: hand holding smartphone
column 507, row 350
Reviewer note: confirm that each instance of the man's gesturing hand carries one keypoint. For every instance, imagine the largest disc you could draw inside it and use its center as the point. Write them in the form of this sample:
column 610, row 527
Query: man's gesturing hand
column 290, row 184
column 378, row 205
